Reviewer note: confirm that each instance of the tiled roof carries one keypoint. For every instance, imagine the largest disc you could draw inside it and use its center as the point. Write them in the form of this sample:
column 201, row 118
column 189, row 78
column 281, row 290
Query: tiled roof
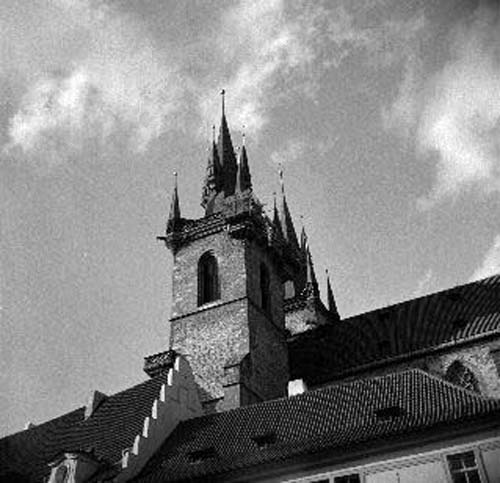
column 332, row 417
column 111, row 428
column 452, row 316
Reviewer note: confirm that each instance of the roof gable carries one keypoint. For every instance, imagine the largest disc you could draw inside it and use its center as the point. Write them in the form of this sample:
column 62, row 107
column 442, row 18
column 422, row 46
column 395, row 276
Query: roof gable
column 110, row 429
column 331, row 417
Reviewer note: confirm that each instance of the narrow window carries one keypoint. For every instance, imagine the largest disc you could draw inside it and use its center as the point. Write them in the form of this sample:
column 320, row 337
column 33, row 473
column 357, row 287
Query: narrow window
column 464, row 468
column 265, row 296
column 208, row 279
column 460, row 375
column 289, row 289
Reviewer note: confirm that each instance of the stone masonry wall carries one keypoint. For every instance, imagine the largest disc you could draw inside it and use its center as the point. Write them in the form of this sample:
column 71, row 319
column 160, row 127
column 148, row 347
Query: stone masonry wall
column 230, row 255
column 478, row 358
column 223, row 332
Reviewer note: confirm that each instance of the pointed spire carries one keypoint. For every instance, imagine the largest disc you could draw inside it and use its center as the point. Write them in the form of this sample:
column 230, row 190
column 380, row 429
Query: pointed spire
column 175, row 211
column 311, row 280
column 303, row 238
column 276, row 220
column 243, row 178
column 212, row 183
column 226, row 153
column 332, row 306
column 285, row 216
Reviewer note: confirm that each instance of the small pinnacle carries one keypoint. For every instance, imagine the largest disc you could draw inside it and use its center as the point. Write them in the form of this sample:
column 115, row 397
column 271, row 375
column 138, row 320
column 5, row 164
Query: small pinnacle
column 213, row 133
column 223, row 94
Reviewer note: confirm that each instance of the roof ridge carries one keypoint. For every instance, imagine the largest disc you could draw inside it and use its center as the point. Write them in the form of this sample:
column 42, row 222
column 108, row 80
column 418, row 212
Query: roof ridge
column 358, row 381
column 45, row 423
column 415, row 299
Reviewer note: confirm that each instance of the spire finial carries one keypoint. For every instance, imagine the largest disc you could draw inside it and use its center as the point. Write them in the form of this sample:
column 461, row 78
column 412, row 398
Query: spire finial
column 175, row 212
column 243, row 135
column 223, row 94
column 213, row 133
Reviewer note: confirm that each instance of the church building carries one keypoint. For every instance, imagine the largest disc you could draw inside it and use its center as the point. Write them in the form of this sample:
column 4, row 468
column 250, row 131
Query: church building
column 263, row 382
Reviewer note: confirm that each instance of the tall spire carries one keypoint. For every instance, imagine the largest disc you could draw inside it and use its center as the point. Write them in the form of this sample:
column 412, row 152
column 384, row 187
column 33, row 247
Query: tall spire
column 285, row 216
column 276, row 220
column 243, row 178
column 213, row 182
column 311, row 281
column 175, row 212
column 226, row 154
column 303, row 238
column 332, row 306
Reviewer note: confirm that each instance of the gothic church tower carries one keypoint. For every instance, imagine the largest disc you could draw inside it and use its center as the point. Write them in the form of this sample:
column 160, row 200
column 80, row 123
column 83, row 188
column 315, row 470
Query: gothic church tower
column 230, row 272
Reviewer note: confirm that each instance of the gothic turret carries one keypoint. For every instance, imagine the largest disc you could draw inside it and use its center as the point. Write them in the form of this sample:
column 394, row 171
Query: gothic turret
column 226, row 155
column 212, row 184
column 243, row 178
column 174, row 215
column 286, row 218
column 225, row 176
column 332, row 306
column 303, row 240
column 311, row 289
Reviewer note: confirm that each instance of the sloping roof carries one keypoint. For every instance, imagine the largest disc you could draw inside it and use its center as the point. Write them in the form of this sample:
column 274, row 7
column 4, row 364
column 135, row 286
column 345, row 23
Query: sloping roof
column 333, row 417
column 453, row 316
column 110, row 429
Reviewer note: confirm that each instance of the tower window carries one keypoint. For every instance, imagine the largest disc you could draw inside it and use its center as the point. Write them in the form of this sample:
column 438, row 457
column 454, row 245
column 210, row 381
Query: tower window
column 289, row 289
column 208, row 279
column 460, row 375
column 265, row 296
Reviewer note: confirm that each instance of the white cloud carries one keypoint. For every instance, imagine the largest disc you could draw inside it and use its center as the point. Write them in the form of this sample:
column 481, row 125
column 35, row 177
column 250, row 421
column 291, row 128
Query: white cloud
column 291, row 152
column 107, row 79
column 491, row 262
column 262, row 45
column 270, row 50
column 456, row 114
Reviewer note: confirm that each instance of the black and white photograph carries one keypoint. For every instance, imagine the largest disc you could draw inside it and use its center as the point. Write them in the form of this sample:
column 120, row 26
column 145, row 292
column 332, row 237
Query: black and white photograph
column 250, row 241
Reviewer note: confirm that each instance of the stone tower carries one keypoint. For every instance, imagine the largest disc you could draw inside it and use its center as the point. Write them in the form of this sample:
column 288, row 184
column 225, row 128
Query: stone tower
column 229, row 272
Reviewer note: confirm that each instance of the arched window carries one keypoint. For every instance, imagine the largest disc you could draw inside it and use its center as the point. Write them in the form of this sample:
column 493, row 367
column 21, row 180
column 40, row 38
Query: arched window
column 265, row 295
column 460, row 375
column 289, row 289
column 208, row 279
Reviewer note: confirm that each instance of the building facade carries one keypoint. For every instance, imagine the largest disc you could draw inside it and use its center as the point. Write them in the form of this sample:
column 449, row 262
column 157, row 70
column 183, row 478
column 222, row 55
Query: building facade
column 262, row 381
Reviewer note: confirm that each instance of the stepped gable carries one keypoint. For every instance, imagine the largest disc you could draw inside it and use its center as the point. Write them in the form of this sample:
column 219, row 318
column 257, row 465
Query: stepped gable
column 329, row 419
column 451, row 317
column 111, row 429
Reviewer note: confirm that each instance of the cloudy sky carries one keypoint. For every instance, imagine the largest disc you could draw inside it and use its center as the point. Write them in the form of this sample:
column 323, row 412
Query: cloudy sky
column 384, row 114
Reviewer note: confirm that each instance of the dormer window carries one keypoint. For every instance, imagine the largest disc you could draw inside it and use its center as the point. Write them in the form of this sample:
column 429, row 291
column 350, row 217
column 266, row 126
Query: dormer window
column 208, row 279
column 390, row 412
column 264, row 440
column 201, row 455
column 265, row 295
